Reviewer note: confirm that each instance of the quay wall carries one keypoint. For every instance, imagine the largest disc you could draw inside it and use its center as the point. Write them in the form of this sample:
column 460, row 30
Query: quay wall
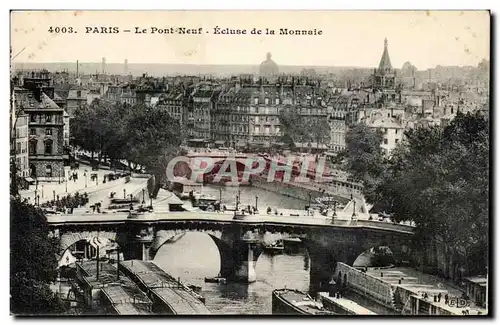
column 363, row 284
column 297, row 190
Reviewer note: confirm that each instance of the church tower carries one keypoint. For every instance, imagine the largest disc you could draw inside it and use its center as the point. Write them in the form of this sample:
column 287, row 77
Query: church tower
column 384, row 75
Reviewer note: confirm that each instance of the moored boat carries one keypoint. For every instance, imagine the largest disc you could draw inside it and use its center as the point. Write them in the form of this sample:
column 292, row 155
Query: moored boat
column 295, row 302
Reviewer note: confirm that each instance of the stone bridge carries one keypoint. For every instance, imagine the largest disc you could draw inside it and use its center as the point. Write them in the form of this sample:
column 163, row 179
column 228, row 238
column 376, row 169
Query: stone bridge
column 239, row 239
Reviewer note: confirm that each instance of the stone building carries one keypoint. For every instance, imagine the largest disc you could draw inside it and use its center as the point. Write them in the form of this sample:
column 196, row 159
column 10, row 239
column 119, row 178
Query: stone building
column 230, row 117
column 46, row 126
column 77, row 98
column 171, row 102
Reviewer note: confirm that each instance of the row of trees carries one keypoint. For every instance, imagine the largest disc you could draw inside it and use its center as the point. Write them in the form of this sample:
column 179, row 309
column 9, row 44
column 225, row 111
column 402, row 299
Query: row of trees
column 33, row 262
column 140, row 134
column 297, row 128
column 438, row 177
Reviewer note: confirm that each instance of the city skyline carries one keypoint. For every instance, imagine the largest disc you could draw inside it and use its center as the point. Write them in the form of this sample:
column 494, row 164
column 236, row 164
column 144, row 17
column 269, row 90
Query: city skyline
column 462, row 38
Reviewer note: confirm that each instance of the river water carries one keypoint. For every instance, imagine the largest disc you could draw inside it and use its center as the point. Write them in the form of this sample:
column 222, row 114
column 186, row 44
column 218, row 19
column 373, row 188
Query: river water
column 195, row 256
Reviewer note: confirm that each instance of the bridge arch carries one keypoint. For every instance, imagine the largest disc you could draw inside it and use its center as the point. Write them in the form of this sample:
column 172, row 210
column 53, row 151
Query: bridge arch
column 69, row 238
column 162, row 237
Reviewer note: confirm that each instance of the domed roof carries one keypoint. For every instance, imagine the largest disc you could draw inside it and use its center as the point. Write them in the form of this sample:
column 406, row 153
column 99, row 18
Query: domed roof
column 268, row 67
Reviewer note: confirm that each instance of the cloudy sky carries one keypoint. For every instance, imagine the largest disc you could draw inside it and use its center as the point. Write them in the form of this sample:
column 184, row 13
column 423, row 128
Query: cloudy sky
column 349, row 38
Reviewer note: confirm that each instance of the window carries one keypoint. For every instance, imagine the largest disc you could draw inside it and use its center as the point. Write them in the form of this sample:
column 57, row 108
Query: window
column 78, row 93
column 48, row 118
column 385, row 141
column 266, row 101
column 33, row 118
column 48, row 147
column 48, row 171
column 256, row 100
column 277, row 101
column 32, row 148
column 396, row 131
column 257, row 130
column 48, row 132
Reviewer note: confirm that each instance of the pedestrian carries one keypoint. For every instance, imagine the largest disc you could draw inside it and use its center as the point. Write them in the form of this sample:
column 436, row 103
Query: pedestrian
column 435, row 298
column 446, row 298
column 439, row 297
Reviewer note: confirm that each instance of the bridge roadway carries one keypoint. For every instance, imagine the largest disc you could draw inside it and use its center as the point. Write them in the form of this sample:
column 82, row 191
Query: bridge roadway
column 342, row 220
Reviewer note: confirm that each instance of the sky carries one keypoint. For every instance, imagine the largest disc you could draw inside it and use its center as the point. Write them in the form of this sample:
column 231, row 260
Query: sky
column 349, row 38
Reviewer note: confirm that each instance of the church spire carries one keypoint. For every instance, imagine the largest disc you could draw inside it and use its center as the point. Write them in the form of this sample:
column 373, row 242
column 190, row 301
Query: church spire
column 385, row 61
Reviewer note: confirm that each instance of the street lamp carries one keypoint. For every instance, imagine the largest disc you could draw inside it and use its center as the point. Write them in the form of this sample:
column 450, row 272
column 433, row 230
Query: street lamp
column 38, row 200
column 124, row 193
column 143, row 199
column 42, row 191
column 85, row 175
column 66, row 182
column 54, row 194
column 131, row 197
column 256, row 201
column 353, row 210
column 36, row 195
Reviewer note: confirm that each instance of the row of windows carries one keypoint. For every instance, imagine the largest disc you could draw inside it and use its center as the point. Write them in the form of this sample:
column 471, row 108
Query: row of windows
column 267, row 110
column 266, row 130
column 47, row 131
column 48, row 146
column 46, row 118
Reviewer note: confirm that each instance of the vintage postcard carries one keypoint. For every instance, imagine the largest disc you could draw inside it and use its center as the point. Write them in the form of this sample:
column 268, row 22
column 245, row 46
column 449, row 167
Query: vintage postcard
column 328, row 163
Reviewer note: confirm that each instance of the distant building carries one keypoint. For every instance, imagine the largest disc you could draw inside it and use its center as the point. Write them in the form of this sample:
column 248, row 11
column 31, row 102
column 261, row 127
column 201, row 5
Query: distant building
column 77, row 98
column 268, row 67
column 392, row 131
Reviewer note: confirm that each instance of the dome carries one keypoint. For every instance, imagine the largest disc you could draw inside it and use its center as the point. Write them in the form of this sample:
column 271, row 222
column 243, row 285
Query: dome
column 268, row 67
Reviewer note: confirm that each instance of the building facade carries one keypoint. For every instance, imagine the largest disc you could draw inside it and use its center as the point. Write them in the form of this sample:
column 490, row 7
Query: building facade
column 46, row 127
column 21, row 139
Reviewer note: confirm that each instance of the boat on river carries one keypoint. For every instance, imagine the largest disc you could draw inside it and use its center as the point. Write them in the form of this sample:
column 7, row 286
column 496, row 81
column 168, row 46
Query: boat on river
column 276, row 247
column 295, row 302
column 215, row 279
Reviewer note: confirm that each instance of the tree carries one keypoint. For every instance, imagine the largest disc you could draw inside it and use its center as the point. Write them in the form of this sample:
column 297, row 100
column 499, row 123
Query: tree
column 153, row 138
column 33, row 261
column 440, row 180
column 364, row 157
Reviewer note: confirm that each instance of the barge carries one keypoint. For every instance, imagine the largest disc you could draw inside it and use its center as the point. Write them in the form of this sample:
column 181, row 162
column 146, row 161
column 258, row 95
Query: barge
column 295, row 302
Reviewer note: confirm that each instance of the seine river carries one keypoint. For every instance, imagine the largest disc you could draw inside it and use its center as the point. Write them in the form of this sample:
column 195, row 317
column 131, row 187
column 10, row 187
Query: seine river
column 195, row 256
